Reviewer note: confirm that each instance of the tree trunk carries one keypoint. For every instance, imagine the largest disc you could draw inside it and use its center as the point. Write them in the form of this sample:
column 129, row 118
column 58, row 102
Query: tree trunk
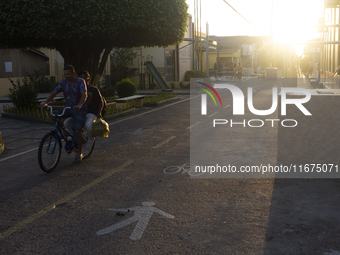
column 89, row 56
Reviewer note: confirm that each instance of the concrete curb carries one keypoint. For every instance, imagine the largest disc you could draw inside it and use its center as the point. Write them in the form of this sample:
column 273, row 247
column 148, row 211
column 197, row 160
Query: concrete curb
column 121, row 114
column 36, row 120
column 7, row 100
column 25, row 118
column 153, row 93
column 153, row 104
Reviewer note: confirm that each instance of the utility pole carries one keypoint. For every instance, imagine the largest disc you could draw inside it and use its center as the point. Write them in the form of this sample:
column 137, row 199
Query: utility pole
column 207, row 50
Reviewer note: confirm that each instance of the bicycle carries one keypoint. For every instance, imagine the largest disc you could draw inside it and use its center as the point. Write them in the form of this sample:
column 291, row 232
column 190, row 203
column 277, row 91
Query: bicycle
column 186, row 168
column 50, row 146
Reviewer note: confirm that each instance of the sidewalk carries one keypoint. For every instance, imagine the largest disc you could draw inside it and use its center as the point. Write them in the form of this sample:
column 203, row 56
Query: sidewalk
column 304, row 83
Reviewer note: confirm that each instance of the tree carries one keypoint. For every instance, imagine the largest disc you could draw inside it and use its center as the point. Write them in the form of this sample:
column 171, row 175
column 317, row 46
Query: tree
column 121, row 59
column 85, row 31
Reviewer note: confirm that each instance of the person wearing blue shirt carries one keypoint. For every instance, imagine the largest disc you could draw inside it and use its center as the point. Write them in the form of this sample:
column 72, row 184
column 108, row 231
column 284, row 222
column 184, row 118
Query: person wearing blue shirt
column 94, row 104
column 75, row 93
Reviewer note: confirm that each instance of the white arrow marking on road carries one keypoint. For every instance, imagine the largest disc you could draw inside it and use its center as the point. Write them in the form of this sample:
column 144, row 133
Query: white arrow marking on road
column 142, row 215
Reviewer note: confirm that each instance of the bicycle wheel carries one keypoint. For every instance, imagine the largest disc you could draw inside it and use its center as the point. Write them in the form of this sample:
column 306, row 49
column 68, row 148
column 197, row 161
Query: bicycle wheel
column 85, row 150
column 49, row 152
column 172, row 169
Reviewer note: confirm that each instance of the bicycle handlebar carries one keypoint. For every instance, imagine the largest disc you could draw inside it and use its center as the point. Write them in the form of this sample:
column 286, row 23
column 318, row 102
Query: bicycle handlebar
column 67, row 107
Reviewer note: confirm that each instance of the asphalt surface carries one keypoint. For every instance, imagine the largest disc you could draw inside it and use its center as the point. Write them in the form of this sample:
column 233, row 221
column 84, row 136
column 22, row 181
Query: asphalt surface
column 121, row 201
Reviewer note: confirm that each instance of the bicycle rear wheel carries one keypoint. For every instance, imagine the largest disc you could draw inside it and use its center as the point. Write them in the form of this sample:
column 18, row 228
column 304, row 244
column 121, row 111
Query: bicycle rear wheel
column 49, row 152
column 87, row 151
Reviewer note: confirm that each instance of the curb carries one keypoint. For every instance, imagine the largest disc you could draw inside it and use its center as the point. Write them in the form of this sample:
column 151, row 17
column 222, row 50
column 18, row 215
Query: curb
column 2, row 101
column 122, row 114
column 153, row 104
column 153, row 93
column 31, row 119
column 36, row 120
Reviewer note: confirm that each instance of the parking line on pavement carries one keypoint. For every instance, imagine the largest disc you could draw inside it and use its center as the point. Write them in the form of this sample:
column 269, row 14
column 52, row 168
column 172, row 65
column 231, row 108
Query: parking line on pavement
column 49, row 208
column 212, row 114
column 164, row 142
column 181, row 101
column 19, row 154
column 197, row 123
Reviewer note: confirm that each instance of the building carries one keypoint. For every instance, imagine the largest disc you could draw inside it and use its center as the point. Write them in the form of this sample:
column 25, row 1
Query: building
column 237, row 49
column 171, row 62
column 15, row 63
column 326, row 53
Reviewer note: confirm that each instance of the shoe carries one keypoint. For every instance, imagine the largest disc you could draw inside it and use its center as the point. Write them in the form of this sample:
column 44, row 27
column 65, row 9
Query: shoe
column 78, row 159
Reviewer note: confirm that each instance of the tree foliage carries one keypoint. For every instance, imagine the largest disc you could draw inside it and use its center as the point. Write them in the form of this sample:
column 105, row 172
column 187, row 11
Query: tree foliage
column 85, row 31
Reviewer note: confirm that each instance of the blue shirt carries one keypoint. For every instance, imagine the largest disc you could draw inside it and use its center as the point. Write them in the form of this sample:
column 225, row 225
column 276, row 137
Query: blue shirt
column 72, row 93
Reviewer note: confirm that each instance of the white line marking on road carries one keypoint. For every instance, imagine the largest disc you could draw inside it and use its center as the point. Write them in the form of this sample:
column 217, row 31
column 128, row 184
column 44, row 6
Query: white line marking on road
column 194, row 125
column 151, row 111
column 142, row 215
column 226, row 106
column 164, row 142
column 212, row 114
column 181, row 101
column 70, row 196
column 19, row 154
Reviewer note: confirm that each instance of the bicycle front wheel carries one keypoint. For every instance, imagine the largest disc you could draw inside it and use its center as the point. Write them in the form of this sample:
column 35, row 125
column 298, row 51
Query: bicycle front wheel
column 49, row 152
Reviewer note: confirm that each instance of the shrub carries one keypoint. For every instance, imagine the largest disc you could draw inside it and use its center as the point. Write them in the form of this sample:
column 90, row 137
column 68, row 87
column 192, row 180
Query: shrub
column 39, row 81
column 23, row 94
column 181, row 84
column 108, row 92
column 194, row 74
column 125, row 88
column 172, row 84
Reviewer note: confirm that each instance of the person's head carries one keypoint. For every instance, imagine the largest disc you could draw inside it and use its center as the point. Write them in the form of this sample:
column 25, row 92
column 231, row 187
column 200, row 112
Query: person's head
column 69, row 73
column 85, row 75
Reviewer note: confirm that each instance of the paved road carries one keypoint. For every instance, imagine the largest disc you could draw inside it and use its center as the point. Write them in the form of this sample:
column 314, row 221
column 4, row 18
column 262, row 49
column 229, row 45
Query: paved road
column 120, row 201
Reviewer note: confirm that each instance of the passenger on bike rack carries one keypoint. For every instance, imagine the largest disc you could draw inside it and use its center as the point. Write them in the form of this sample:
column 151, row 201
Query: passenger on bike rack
column 75, row 93
column 94, row 104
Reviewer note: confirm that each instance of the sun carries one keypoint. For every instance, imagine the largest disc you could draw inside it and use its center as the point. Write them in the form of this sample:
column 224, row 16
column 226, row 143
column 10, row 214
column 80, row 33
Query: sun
column 294, row 21
column 289, row 21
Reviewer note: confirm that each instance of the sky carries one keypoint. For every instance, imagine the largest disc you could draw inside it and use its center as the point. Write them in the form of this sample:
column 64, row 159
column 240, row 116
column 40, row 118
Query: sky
column 292, row 19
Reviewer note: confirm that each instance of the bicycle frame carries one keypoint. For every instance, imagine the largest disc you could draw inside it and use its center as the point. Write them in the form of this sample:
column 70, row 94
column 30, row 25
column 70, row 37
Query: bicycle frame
column 59, row 130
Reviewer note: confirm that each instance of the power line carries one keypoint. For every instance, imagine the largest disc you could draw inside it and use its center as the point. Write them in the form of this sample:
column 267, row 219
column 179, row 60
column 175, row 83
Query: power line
column 241, row 15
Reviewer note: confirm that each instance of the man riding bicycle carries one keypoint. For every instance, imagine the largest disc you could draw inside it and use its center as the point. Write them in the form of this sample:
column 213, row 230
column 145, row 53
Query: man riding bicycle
column 75, row 93
column 94, row 104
